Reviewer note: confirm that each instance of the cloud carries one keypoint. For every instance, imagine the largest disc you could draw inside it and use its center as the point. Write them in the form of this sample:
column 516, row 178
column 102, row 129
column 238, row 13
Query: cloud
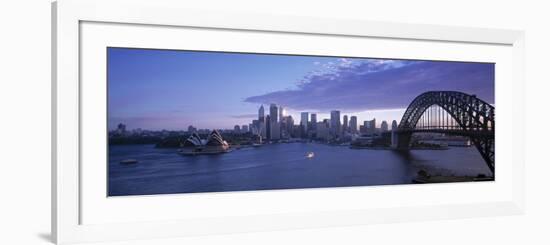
column 354, row 85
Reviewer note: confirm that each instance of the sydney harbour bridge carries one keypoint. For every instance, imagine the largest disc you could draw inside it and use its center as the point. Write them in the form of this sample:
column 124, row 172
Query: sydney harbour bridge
column 450, row 113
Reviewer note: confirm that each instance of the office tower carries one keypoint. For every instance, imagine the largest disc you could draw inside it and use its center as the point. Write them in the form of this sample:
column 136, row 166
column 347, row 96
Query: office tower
column 289, row 123
column 384, row 126
column 313, row 122
column 244, row 129
column 261, row 115
column 335, row 124
column 304, row 121
column 353, row 124
column 274, row 122
column 323, row 130
column 370, row 126
column 394, row 124
column 345, row 126
column 237, row 129
column 273, row 113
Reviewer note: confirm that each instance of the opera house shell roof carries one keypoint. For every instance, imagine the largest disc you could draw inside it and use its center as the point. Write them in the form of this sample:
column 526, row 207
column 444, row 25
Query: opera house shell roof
column 214, row 144
column 215, row 139
column 193, row 141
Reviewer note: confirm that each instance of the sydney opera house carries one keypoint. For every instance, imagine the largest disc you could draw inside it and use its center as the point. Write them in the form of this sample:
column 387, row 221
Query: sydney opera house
column 214, row 144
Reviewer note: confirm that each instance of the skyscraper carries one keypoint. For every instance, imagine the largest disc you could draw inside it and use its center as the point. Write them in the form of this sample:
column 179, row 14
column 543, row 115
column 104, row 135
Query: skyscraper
column 313, row 122
column 370, row 126
column 304, row 120
column 345, row 126
column 353, row 124
column 273, row 113
column 323, row 130
column 384, row 126
column 289, row 123
column 335, row 124
column 261, row 113
column 275, row 128
column 262, row 123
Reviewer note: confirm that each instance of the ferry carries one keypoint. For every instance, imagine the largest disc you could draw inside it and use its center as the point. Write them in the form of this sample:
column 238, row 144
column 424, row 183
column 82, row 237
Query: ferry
column 310, row 154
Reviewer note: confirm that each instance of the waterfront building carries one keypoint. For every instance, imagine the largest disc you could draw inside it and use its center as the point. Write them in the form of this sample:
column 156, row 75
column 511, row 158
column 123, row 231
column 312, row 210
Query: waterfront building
column 345, row 125
column 193, row 141
column 353, row 124
column 237, row 129
column 323, row 130
column 335, row 124
column 214, row 144
column 369, row 126
column 384, row 126
column 244, row 129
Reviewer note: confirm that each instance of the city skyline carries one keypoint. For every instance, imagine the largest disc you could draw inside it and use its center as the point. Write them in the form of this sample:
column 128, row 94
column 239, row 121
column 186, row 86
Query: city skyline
column 312, row 117
column 166, row 89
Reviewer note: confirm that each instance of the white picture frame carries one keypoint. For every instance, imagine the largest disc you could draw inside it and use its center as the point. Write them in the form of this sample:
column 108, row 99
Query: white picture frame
column 68, row 17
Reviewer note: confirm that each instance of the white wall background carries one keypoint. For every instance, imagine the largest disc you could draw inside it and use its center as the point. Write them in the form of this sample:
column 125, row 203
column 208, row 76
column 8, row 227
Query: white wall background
column 25, row 122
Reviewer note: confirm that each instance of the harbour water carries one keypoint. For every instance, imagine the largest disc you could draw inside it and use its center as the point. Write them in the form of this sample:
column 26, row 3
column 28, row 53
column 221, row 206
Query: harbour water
column 278, row 166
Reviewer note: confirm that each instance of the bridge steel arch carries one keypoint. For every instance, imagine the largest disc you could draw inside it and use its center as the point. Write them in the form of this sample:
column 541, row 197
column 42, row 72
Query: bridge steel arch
column 474, row 117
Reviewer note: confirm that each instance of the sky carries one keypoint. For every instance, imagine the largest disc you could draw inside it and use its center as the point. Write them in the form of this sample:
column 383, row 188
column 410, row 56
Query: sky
column 172, row 89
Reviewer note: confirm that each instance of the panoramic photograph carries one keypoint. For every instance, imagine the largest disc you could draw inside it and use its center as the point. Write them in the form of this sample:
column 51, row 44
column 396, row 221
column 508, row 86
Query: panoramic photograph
column 186, row 121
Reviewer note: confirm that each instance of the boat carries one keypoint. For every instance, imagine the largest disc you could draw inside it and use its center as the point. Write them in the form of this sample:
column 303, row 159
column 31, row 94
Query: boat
column 129, row 161
column 310, row 154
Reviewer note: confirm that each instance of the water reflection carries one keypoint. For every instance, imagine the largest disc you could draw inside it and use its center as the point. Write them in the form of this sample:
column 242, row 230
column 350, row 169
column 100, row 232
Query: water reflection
column 278, row 166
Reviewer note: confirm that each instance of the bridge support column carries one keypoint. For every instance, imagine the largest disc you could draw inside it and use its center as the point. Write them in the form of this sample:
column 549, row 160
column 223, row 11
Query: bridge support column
column 401, row 140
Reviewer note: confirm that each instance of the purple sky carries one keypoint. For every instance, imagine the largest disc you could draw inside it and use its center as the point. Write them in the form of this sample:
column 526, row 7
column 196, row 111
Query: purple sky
column 163, row 89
